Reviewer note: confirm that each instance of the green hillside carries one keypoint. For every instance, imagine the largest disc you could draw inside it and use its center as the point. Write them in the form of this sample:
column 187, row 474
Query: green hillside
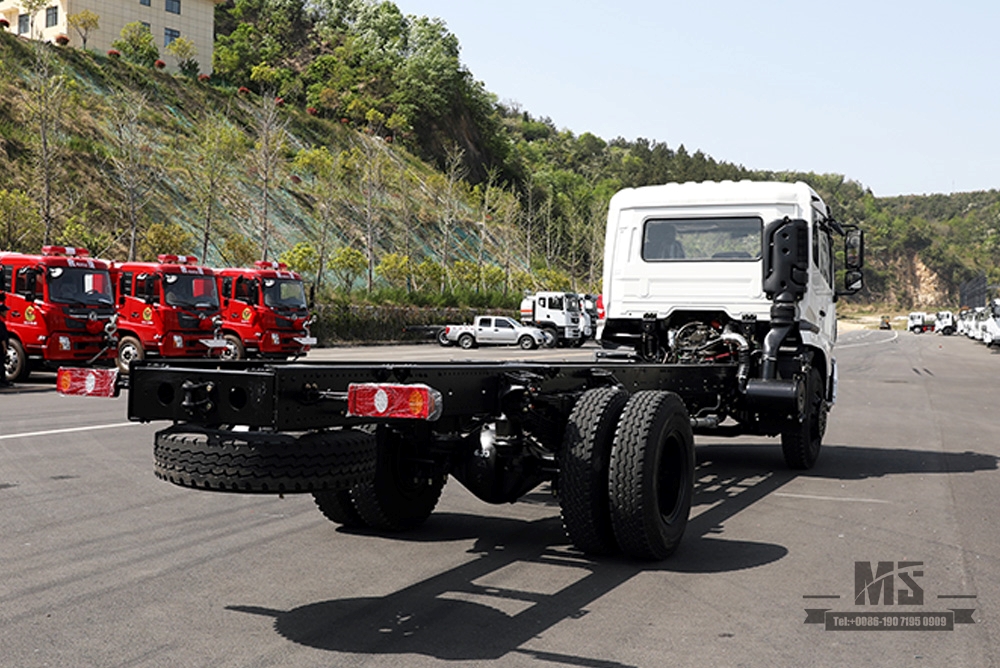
column 350, row 140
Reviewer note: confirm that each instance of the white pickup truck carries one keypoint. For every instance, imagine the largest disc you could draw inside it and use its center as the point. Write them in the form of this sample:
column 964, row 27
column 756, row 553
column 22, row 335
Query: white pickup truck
column 495, row 331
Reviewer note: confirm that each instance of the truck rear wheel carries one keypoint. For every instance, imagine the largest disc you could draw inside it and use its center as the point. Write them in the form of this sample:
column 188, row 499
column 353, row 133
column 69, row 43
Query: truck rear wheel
column 442, row 338
column 17, row 366
column 583, row 469
column 129, row 348
column 801, row 442
column 263, row 462
column 466, row 342
column 338, row 507
column 651, row 480
column 400, row 496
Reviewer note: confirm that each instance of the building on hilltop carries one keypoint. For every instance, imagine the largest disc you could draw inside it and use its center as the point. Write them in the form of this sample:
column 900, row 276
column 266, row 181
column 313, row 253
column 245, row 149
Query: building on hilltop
column 166, row 19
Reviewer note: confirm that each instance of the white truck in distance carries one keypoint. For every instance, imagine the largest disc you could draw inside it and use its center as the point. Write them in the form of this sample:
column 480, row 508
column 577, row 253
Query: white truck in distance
column 944, row 323
column 495, row 331
column 558, row 313
column 733, row 273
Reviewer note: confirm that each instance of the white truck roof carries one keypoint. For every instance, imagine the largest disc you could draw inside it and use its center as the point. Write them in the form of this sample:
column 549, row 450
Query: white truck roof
column 717, row 192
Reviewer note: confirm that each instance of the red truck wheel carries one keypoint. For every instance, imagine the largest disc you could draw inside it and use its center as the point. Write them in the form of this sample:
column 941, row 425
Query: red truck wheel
column 129, row 348
column 18, row 368
column 234, row 349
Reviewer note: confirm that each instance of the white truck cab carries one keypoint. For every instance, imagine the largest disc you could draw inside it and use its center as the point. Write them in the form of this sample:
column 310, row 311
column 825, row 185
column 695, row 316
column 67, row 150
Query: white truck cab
column 557, row 313
column 685, row 252
column 944, row 323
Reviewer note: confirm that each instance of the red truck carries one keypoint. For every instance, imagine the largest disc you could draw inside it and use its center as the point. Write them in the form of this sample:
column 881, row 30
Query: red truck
column 168, row 308
column 60, row 310
column 264, row 311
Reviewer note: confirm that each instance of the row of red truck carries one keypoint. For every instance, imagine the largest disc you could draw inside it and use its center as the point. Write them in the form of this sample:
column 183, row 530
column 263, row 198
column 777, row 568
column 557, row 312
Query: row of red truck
column 65, row 308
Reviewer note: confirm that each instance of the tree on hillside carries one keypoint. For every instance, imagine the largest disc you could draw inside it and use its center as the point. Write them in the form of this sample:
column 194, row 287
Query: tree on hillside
column 133, row 171
column 136, row 44
column 324, row 176
column 31, row 8
column 19, row 225
column 266, row 158
column 184, row 51
column 44, row 105
column 450, row 201
column 370, row 164
column 209, row 167
column 84, row 23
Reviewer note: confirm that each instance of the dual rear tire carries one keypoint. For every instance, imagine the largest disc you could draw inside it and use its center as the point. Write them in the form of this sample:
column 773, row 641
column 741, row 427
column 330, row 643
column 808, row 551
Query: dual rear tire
column 627, row 473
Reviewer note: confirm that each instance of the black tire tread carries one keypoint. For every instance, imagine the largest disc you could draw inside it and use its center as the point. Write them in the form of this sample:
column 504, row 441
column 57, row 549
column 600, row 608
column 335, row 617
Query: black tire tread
column 801, row 442
column 264, row 463
column 639, row 529
column 583, row 469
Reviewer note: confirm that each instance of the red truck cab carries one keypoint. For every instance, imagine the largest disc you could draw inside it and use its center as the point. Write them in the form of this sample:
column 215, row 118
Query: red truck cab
column 168, row 308
column 60, row 310
column 264, row 311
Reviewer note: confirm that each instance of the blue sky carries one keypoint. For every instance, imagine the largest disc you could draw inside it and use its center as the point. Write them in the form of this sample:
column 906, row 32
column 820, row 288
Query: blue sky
column 903, row 97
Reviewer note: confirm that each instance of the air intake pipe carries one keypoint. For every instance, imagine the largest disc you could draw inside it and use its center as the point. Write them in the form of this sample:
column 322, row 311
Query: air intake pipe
column 786, row 275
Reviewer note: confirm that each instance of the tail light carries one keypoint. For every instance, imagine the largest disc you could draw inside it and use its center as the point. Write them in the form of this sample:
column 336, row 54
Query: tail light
column 382, row 400
column 72, row 381
column 600, row 307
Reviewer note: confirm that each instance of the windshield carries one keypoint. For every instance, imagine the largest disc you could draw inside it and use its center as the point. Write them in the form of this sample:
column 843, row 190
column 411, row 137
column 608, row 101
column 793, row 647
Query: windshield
column 79, row 285
column 190, row 291
column 288, row 293
column 700, row 239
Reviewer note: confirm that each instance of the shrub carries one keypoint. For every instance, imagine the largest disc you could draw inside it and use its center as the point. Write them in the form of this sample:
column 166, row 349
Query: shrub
column 62, row 40
column 159, row 64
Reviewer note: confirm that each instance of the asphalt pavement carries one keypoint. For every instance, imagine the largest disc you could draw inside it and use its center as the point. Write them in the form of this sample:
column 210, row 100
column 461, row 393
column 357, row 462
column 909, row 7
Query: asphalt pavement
column 101, row 564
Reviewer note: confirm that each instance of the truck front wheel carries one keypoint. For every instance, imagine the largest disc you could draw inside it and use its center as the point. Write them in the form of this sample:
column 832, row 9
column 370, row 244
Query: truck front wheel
column 129, row 348
column 527, row 343
column 583, row 469
column 17, row 366
column 234, row 349
column 401, row 496
column 651, row 479
column 263, row 462
column 800, row 442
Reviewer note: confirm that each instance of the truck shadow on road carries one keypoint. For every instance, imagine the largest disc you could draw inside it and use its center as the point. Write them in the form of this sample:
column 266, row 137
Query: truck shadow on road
column 474, row 613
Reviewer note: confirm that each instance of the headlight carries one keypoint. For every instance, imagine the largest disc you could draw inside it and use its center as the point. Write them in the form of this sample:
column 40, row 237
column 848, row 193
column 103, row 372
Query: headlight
column 276, row 338
column 65, row 344
column 178, row 341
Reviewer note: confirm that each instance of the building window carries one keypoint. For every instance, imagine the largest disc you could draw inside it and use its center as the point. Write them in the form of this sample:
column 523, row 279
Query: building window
column 169, row 35
column 51, row 16
column 145, row 3
column 147, row 26
column 174, row 6
column 23, row 24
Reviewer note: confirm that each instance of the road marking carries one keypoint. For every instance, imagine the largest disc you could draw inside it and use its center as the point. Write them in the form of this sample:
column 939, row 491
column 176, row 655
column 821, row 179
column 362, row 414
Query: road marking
column 830, row 498
column 67, row 430
column 895, row 335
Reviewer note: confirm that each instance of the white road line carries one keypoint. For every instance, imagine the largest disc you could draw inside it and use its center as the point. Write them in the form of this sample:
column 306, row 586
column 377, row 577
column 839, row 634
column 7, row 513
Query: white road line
column 895, row 335
column 830, row 498
column 31, row 434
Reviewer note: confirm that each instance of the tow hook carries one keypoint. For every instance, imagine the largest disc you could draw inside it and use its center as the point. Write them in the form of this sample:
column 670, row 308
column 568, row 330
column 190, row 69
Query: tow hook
column 198, row 397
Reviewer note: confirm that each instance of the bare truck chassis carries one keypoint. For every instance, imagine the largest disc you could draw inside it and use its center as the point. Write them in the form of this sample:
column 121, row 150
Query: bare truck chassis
column 374, row 443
